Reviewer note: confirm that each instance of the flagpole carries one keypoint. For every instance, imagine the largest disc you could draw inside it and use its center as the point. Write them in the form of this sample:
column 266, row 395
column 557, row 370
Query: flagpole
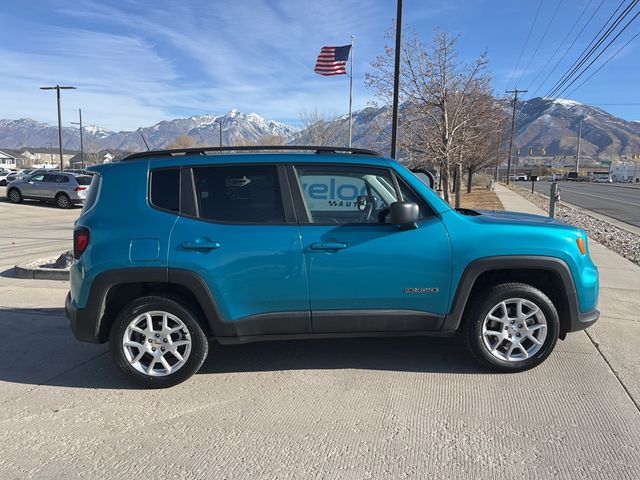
column 350, row 89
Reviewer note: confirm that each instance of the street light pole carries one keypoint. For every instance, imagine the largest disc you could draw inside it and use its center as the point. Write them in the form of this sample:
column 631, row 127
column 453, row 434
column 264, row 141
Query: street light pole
column 396, row 80
column 81, row 142
column 57, row 88
column 578, row 149
column 219, row 122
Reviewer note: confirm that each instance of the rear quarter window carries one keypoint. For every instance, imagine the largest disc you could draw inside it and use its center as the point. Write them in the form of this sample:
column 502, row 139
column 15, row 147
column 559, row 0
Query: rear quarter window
column 165, row 189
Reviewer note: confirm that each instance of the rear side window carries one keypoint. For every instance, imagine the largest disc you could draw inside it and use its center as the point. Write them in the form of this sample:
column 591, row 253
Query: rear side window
column 53, row 178
column 165, row 189
column 239, row 193
column 84, row 180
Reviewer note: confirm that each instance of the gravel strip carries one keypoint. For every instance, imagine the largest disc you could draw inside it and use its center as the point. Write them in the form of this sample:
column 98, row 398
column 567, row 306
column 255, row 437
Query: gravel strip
column 622, row 242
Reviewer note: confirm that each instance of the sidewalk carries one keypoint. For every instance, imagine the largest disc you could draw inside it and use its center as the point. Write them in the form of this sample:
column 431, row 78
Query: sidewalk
column 617, row 334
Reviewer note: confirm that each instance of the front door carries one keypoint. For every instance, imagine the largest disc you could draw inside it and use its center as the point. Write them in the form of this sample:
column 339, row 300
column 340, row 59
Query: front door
column 34, row 186
column 241, row 239
column 366, row 275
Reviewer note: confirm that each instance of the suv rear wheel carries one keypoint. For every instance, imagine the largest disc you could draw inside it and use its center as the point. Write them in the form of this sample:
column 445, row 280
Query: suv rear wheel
column 511, row 328
column 157, row 342
column 63, row 201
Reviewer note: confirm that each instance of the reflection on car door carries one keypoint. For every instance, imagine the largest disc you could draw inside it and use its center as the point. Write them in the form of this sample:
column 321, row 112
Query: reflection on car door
column 242, row 240
column 366, row 275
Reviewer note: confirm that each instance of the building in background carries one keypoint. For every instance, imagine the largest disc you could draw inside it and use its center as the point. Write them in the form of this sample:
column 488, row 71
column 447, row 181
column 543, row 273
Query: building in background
column 7, row 161
column 626, row 172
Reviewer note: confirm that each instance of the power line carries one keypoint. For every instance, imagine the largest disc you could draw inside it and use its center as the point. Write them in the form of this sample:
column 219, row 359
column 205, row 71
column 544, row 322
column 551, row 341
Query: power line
column 600, row 68
column 526, row 42
column 570, row 46
column 560, row 44
column 591, row 48
column 535, row 52
column 600, row 54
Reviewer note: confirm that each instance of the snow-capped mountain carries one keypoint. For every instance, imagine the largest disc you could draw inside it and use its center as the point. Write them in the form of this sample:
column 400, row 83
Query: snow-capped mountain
column 541, row 123
column 554, row 124
column 204, row 129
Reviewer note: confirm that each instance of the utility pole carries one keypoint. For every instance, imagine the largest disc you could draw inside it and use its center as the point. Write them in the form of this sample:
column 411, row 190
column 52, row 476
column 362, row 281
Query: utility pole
column 57, row 88
column 578, row 149
column 513, row 126
column 502, row 125
column 81, row 142
column 396, row 81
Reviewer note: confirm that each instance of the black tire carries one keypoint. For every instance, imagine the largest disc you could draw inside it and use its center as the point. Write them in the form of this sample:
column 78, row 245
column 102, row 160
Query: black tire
column 199, row 342
column 484, row 303
column 15, row 196
column 63, row 201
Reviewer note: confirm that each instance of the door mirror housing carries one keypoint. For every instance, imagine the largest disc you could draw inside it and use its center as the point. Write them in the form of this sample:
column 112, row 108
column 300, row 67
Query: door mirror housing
column 404, row 214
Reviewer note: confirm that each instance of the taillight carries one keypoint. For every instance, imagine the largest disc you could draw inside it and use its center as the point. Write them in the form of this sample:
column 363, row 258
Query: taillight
column 80, row 241
column 78, row 189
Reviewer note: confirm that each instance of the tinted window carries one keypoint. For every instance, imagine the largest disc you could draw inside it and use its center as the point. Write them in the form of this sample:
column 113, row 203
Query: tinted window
column 408, row 195
column 83, row 180
column 346, row 194
column 53, row 178
column 239, row 193
column 37, row 178
column 165, row 189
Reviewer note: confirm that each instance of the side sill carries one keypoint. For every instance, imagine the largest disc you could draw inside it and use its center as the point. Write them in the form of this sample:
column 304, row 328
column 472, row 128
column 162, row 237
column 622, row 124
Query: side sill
column 320, row 336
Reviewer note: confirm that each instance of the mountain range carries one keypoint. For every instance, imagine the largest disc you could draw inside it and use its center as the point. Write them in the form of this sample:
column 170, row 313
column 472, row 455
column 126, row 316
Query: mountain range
column 549, row 126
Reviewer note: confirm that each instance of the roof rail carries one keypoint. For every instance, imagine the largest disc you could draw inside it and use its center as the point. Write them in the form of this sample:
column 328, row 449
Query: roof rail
column 251, row 148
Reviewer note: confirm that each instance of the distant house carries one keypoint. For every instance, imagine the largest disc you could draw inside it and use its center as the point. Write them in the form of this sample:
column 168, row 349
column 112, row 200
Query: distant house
column 7, row 161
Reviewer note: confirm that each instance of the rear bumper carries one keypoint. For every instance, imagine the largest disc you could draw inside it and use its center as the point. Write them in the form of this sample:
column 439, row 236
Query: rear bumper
column 81, row 321
column 584, row 320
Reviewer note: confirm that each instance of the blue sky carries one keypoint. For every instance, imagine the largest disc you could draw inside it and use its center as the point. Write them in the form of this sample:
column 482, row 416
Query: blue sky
column 136, row 63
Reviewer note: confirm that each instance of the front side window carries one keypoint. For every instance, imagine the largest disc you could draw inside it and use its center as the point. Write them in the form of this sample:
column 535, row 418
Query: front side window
column 345, row 195
column 37, row 178
column 238, row 193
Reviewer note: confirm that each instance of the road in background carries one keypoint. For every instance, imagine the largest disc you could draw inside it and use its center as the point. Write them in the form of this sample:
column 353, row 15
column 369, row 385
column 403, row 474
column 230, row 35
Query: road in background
column 617, row 200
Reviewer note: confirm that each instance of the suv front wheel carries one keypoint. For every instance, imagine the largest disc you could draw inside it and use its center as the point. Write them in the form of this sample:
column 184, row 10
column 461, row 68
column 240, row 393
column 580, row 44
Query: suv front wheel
column 512, row 327
column 157, row 342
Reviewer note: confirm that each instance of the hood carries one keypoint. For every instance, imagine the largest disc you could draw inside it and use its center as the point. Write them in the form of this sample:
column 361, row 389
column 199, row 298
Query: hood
column 513, row 218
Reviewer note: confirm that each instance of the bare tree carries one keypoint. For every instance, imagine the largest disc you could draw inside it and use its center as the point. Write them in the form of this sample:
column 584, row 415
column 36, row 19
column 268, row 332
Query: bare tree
column 264, row 140
column 437, row 92
column 322, row 128
column 183, row 141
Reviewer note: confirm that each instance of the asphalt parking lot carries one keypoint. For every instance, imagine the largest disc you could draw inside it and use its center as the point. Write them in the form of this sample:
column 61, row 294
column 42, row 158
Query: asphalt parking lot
column 366, row 408
column 618, row 200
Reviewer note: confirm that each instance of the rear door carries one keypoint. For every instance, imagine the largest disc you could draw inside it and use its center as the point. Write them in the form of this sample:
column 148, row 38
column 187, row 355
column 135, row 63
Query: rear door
column 366, row 275
column 237, row 232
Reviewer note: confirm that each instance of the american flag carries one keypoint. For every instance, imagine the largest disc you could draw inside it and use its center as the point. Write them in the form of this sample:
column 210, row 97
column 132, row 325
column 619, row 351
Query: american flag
column 332, row 60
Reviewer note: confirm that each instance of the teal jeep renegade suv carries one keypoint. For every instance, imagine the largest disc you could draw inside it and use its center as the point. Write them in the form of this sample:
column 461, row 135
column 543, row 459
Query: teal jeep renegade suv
column 175, row 248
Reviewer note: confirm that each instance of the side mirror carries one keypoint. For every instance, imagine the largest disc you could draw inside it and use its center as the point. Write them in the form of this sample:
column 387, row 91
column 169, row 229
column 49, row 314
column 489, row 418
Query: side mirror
column 404, row 214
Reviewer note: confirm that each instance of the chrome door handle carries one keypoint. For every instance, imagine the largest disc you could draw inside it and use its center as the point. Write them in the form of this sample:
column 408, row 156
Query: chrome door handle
column 201, row 245
column 328, row 246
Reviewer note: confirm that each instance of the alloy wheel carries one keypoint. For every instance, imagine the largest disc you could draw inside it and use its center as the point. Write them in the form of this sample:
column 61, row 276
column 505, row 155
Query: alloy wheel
column 156, row 343
column 514, row 330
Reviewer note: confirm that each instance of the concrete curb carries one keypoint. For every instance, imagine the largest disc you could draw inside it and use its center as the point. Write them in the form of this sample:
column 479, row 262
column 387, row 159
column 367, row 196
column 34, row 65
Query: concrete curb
column 25, row 270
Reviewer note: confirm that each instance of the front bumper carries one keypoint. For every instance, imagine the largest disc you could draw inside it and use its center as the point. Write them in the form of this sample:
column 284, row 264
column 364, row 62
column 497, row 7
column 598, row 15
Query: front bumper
column 584, row 320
